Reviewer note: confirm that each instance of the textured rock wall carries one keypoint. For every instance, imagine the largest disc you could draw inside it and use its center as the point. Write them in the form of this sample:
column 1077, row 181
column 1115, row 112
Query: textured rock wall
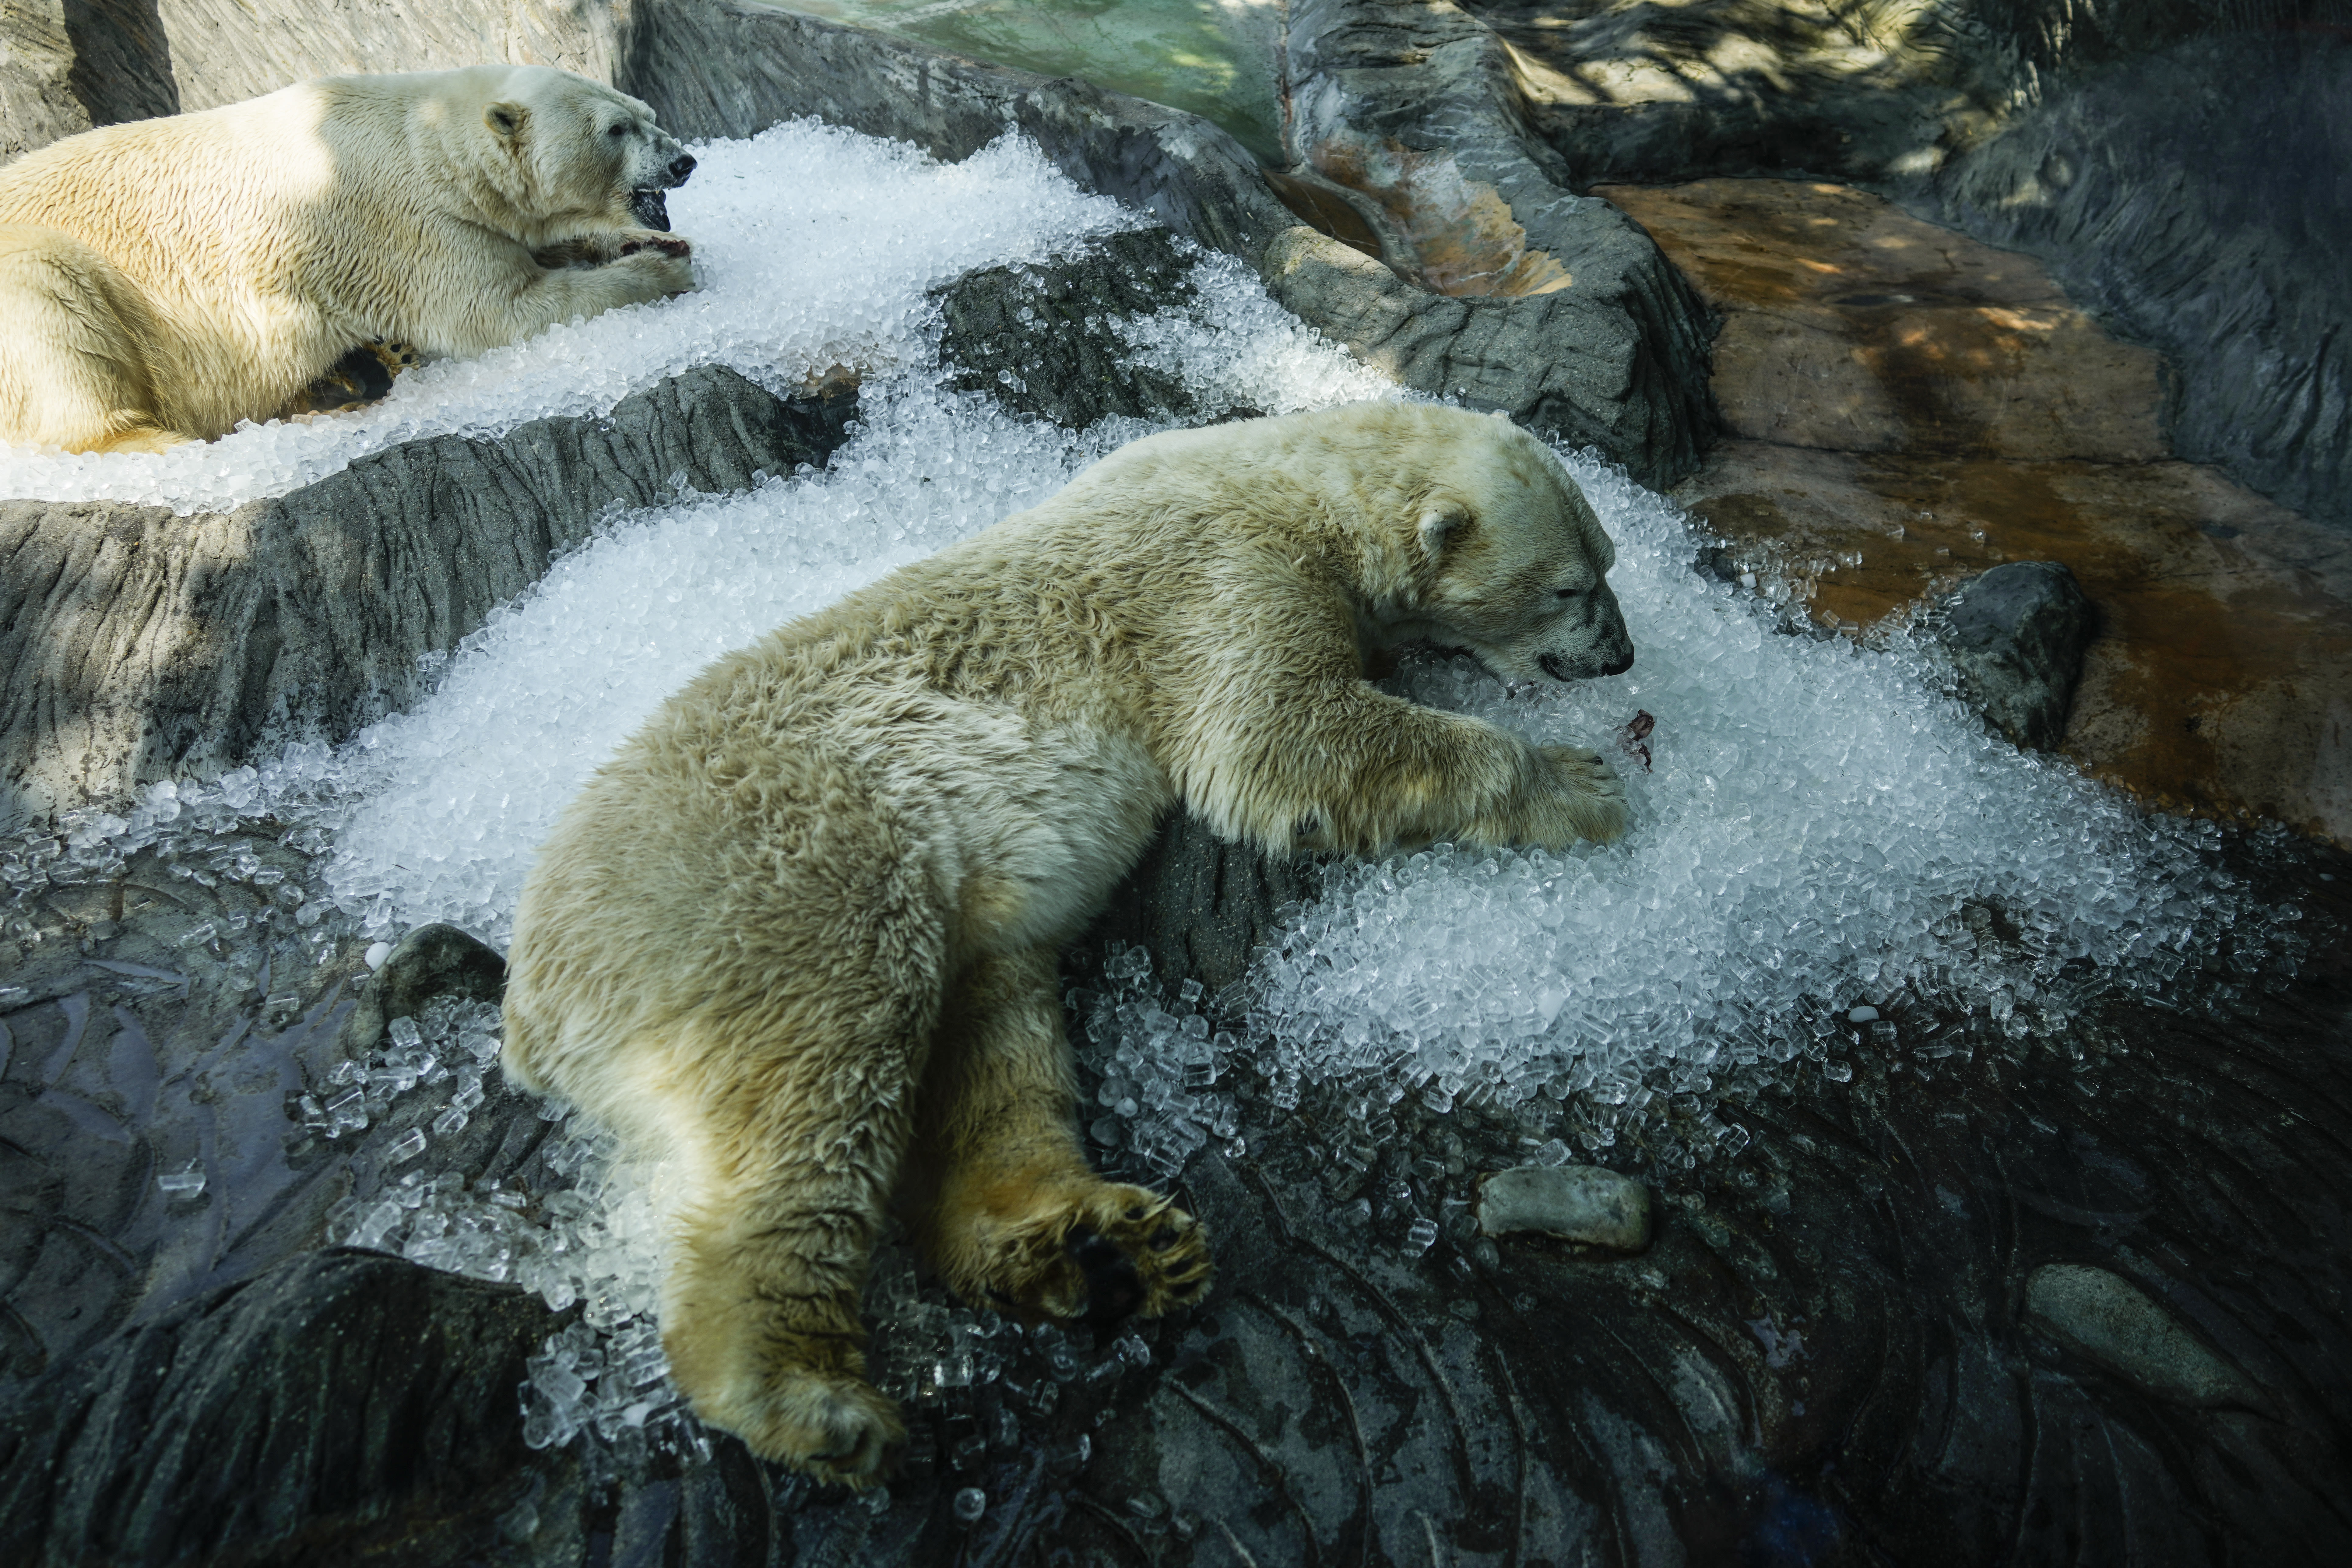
column 37, row 102
column 2180, row 166
column 222, row 51
column 135, row 644
column 1552, row 305
column 2201, row 200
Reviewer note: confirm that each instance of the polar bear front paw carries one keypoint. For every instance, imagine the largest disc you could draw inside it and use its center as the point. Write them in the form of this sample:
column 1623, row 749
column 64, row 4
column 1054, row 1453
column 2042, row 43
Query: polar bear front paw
column 1102, row 1252
column 1591, row 800
column 831, row 1425
column 665, row 262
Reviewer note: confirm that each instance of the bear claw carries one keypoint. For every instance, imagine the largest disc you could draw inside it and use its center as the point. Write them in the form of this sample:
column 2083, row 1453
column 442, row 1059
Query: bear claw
column 1099, row 1253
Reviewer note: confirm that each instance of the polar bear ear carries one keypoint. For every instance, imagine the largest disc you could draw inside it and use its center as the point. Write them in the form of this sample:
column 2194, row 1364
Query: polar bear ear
column 1439, row 524
column 506, row 121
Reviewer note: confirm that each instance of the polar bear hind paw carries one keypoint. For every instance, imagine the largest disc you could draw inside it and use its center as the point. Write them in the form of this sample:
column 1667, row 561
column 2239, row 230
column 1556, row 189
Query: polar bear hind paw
column 1102, row 1254
column 832, row 1426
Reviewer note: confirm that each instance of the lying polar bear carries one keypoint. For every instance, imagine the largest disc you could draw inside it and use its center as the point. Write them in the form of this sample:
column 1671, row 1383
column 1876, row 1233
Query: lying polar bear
column 800, row 934
column 163, row 280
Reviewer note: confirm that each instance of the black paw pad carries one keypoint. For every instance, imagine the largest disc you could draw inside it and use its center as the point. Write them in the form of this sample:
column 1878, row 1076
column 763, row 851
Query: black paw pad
column 1163, row 1238
column 1114, row 1289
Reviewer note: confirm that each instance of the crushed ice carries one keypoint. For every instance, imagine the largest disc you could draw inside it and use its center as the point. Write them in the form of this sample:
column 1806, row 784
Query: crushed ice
column 1833, row 861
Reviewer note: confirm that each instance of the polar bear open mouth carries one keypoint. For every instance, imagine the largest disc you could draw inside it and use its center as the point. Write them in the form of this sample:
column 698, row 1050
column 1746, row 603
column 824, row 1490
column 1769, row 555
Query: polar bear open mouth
column 650, row 209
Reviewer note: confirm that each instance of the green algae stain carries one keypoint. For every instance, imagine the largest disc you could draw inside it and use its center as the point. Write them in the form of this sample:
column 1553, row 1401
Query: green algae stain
column 1211, row 58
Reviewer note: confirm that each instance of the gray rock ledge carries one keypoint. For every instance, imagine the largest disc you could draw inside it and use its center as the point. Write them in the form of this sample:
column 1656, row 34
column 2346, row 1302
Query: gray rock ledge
column 137, row 645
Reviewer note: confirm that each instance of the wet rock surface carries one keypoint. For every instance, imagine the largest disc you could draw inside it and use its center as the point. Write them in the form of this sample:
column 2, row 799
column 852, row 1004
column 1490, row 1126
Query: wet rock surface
column 1911, row 409
column 1943, row 1249
column 141, row 646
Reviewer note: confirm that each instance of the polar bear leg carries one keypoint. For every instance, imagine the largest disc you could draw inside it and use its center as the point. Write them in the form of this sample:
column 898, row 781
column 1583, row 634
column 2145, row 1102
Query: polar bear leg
column 794, row 1129
column 77, row 375
column 1348, row 767
column 1005, row 1204
column 639, row 276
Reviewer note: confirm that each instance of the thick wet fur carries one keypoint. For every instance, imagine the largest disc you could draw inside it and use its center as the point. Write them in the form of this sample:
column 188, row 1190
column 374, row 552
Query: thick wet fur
column 798, row 937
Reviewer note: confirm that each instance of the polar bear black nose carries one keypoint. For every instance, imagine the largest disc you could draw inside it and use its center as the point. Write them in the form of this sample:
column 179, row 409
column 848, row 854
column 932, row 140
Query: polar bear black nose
column 681, row 167
column 1619, row 667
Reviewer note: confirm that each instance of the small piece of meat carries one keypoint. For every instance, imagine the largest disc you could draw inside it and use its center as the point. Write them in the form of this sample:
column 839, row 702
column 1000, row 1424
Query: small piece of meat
column 1634, row 737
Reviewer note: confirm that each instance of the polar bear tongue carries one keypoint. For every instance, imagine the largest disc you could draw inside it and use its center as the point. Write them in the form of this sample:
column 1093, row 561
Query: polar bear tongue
column 650, row 209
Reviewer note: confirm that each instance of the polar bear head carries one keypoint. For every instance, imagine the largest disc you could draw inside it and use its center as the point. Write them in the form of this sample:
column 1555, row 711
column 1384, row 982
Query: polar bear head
column 571, row 154
column 1503, row 555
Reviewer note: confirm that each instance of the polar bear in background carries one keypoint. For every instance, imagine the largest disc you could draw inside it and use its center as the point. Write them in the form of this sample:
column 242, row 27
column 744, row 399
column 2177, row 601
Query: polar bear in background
column 163, row 280
column 799, row 935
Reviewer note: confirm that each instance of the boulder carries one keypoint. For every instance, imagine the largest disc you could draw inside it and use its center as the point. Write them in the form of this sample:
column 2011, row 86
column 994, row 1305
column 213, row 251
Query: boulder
column 430, row 962
column 137, row 645
column 2103, row 1317
column 1044, row 337
column 2018, row 635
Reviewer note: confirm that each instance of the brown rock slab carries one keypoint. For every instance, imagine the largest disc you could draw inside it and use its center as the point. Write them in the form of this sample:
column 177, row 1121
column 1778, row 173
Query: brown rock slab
column 1852, row 326
column 1915, row 407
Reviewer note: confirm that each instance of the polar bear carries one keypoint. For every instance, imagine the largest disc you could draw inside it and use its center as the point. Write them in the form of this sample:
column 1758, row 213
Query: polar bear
column 799, row 935
column 163, row 280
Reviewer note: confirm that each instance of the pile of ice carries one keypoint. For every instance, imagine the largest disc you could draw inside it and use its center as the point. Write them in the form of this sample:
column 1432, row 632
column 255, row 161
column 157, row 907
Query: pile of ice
column 1821, row 829
column 814, row 248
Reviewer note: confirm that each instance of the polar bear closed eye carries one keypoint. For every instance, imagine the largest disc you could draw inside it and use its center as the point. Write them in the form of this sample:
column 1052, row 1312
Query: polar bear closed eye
column 163, row 280
column 799, row 935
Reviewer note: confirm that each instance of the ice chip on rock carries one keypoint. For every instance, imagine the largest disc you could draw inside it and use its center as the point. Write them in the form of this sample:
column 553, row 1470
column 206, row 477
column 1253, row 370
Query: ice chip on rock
column 1576, row 1203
